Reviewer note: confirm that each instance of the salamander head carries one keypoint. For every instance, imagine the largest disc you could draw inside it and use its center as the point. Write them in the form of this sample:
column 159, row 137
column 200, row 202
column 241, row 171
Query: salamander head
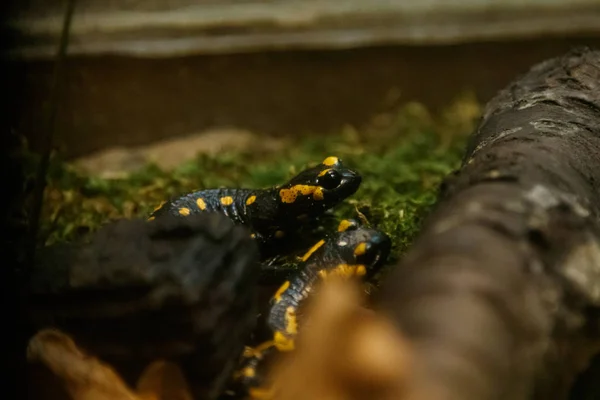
column 352, row 251
column 319, row 188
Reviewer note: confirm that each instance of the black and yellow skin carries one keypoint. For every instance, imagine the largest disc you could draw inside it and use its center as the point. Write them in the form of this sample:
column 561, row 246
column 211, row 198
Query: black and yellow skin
column 274, row 212
column 249, row 378
column 352, row 252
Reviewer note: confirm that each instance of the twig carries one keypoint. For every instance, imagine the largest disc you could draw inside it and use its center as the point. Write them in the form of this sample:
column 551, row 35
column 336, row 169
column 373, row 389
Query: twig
column 38, row 194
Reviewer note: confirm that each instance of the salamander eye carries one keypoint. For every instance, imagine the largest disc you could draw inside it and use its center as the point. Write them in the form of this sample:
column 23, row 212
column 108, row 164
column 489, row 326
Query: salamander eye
column 330, row 179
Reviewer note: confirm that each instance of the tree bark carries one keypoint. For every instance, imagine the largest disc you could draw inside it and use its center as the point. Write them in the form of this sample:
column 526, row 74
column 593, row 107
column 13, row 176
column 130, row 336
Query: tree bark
column 500, row 293
column 180, row 289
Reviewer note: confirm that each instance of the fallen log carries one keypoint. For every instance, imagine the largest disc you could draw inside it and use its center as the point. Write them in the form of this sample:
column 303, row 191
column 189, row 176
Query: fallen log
column 500, row 294
column 177, row 289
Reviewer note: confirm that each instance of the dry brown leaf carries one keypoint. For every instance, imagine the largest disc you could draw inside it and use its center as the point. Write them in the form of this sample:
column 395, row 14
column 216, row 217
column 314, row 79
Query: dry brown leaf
column 347, row 353
column 165, row 381
column 87, row 378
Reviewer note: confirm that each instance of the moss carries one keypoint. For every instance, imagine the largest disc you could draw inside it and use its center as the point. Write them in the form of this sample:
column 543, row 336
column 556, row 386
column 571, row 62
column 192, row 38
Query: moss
column 402, row 156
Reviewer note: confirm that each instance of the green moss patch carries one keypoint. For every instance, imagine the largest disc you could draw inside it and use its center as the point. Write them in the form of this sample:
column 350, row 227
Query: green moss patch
column 403, row 156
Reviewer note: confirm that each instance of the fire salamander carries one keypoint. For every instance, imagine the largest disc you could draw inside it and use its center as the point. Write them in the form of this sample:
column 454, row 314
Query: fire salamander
column 352, row 252
column 274, row 212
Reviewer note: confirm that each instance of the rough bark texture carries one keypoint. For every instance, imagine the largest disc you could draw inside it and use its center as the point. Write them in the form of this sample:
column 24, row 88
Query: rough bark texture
column 500, row 294
column 182, row 289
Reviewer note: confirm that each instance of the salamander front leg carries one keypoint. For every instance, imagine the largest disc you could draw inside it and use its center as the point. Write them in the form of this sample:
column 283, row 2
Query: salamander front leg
column 250, row 378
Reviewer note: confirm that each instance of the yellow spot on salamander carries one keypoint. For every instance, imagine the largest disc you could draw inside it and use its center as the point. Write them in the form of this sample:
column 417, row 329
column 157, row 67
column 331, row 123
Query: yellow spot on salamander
column 253, row 235
column 227, row 200
column 344, row 225
column 331, row 161
column 324, row 172
column 361, row 270
column 313, row 249
column 249, row 372
column 184, row 211
column 291, row 327
column 282, row 342
column 250, row 200
column 279, row 234
column 290, row 195
column 280, row 291
column 152, row 218
column 201, row 203
column 318, row 194
column 343, row 271
column 360, row 249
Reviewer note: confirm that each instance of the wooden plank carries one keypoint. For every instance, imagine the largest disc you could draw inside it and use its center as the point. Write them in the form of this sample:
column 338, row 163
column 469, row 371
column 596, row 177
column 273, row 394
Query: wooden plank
column 184, row 27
